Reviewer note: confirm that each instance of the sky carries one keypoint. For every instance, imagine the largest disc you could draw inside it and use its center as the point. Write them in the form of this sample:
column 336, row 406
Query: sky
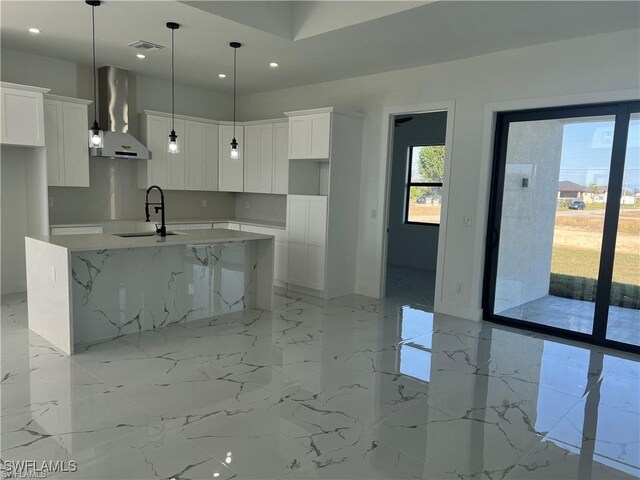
column 586, row 153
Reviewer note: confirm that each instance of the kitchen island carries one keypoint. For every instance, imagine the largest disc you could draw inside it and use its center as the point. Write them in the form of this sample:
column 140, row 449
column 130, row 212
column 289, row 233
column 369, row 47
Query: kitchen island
column 87, row 288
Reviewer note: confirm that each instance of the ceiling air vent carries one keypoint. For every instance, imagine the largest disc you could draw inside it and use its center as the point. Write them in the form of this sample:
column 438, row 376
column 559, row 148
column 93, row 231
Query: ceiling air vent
column 144, row 46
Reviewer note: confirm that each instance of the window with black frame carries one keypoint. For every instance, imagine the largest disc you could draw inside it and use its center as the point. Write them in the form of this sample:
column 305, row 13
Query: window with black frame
column 423, row 193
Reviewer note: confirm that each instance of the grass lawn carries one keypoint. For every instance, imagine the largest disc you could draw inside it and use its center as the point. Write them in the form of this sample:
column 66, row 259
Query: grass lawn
column 585, row 263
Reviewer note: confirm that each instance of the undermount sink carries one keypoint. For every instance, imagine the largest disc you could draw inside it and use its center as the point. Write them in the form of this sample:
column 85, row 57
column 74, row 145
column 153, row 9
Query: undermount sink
column 140, row 234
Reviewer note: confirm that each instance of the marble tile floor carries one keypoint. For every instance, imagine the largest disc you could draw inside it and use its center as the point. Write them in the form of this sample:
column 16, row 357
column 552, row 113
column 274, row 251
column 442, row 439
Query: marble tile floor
column 411, row 285
column 577, row 315
column 352, row 388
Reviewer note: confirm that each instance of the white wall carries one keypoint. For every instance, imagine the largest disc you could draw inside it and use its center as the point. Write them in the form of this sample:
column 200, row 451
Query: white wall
column 583, row 65
column 73, row 80
column 261, row 206
column 412, row 245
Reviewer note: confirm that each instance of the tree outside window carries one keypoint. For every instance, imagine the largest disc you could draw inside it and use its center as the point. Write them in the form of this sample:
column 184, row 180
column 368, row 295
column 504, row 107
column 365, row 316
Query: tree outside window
column 424, row 184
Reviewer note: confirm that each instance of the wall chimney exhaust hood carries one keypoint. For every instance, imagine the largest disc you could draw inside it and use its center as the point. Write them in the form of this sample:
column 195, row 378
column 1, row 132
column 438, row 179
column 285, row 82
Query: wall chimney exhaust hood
column 114, row 117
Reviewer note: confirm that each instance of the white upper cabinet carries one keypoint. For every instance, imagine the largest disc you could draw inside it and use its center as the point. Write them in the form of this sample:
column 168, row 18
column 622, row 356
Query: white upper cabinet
column 258, row 158
column 155, row 135
column 176, row 164
column 54, row 137
column 22, row 115
column 266, row 159
column 201, row 153
column 280, row 158
column 319, row 135
column 210, row 158
column 194, row 167
column 310, row 136
column 230, row 171
column 66, row 130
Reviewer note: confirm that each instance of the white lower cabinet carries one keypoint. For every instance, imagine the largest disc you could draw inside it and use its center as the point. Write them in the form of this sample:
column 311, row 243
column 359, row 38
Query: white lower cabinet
column 281, row 248
column 307, row 224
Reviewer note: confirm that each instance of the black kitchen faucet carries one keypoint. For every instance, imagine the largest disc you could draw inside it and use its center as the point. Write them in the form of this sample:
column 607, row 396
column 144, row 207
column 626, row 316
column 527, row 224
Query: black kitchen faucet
column 157, row 206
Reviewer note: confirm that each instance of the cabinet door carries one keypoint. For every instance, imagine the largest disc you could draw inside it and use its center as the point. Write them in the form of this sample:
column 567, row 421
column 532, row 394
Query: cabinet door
column 157, row 143
column 176, row 161
column 22, row 118
column 297, row 225
column 280, row 261
column 299, row 137
column 230, row 171
column 315, row 266
column 266, row 159
column 280, row 158
column 319, row 135
column 54, row 142
column 76, row 150
column 317, row 221
column 194, row 155
column 252, row 152
column 210, row 158
column 297, row 264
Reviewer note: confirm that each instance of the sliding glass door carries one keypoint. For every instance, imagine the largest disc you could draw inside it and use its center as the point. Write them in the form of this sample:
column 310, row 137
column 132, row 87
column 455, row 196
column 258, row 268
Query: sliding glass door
column 563, row 245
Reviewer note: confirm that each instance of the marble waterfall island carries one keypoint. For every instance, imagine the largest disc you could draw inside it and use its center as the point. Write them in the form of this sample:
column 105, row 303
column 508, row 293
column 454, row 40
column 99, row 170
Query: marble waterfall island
column 87, row 288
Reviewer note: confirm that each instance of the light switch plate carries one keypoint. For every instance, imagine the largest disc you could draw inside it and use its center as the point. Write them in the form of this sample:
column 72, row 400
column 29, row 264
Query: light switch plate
column 466, row 221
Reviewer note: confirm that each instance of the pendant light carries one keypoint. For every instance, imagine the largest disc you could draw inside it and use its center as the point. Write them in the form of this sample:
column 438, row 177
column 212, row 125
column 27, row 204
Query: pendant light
column 234, row 142
column 96, row 135
column 173, row 138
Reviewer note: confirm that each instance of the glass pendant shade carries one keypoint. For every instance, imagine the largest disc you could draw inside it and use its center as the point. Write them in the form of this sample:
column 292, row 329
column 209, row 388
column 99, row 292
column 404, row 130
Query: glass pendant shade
column 96, row 136
column 234, row 149
column 173, row 143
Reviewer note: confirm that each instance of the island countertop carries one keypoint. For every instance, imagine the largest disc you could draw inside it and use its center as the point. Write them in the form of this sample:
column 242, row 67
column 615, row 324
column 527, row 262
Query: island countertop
column 106, row 241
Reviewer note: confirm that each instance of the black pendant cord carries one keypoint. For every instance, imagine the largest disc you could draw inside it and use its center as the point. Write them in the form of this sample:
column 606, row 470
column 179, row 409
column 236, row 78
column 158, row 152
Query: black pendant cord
column 95, row 83
column 173, row 83
column 235, row 52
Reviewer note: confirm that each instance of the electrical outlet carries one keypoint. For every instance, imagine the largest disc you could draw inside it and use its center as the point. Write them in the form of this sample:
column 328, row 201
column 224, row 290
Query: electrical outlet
column 374, row 213
column 246, row 205
column 51, row 201
column 191, row 289
column 458, row 287
column 466, row 221
column 204, row 203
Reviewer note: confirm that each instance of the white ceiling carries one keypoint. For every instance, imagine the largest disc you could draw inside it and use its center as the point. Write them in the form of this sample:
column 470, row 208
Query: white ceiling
column 312, row 41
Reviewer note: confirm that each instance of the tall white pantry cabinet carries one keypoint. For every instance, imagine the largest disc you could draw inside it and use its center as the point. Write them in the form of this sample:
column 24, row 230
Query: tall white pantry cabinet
column 325, row 155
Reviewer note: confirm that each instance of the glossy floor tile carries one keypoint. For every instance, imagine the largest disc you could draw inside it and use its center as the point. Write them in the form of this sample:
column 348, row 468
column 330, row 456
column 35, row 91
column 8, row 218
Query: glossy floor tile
column 351, row 388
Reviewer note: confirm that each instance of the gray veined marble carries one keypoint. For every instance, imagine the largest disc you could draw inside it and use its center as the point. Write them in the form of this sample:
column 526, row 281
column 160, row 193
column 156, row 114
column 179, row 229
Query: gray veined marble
column 351, row 388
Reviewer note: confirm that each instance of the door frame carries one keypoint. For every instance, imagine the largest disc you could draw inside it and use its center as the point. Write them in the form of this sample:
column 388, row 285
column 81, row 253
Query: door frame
column 388, row 115
column 622, row 109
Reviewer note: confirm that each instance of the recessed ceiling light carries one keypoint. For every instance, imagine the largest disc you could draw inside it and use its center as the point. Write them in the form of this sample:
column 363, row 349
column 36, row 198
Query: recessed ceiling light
column 222, row 75
column 34, row 30
column 273, row 65
column 140, row 55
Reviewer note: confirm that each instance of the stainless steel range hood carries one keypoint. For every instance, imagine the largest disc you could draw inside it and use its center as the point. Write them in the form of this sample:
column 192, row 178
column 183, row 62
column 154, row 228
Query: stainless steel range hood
column 114, row 117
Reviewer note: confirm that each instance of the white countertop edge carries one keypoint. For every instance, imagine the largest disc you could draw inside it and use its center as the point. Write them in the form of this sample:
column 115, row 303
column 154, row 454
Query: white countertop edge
column 259, row 223
column 108, row 241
